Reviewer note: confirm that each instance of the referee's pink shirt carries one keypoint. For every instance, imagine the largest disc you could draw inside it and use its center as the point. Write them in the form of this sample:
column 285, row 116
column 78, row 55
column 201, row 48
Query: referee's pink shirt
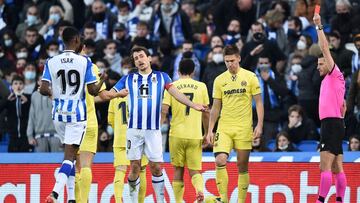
column 332, row 93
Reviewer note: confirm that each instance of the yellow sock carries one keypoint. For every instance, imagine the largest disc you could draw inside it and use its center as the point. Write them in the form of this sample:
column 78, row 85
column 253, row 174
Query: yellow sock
column 178, row 187
column 198, row 182
column 142, row 189
column 243, row 184
column 77, row 188
column 222, row 180
column 119, row 185
column 85, row 183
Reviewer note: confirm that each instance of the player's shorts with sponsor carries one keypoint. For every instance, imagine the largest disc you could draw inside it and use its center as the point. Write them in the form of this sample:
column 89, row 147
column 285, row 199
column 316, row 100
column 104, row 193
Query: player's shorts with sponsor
column 121, row 160
column 71, row 133
column 148, row 142
column 186, row 152
column 226, row 139
column 89, row 143
column 332, row 133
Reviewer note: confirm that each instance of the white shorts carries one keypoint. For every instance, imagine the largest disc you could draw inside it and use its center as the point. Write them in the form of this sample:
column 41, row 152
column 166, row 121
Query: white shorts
column 70, row 133
column 148, row 142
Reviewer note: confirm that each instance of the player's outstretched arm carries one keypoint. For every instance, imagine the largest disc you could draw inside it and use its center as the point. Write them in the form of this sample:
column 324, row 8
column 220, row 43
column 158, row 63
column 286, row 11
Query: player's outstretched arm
column 214, row 115
column 260, row 115
column 323, row 43
column 173, row 91
column 45, row 88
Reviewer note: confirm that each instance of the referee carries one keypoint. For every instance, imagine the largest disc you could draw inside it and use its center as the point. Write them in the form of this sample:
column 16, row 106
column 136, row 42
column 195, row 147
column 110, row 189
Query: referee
column 331, row 111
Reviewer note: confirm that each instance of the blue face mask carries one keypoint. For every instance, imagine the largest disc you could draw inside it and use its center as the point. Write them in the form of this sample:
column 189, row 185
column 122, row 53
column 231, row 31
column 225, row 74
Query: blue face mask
column 8, row 42
column 55, row 17
column 29, row 75
column 31, row 19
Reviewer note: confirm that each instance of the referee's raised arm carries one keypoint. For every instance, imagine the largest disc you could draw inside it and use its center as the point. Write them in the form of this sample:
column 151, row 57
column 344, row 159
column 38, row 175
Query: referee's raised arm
column 323, row 43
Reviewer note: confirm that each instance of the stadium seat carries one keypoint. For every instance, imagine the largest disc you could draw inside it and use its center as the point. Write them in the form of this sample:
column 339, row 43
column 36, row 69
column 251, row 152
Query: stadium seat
column 308, row 145
column 271, row 144
column 345, row 145
column 3, row 148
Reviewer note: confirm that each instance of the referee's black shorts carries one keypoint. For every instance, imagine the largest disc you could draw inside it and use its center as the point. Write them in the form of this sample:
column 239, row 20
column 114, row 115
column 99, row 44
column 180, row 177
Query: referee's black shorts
column 332, row 133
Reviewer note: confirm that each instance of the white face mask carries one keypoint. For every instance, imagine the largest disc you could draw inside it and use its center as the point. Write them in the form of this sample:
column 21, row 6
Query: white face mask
column 123, row 19
column 110, row 56
column 21, row 55
column 283, row 147
column 296, row 68
column 18, row 93
column 55, row 17
column 300, row 45
column 218, row 58
column 124, row 71
column 53, row 53
column 2, row 54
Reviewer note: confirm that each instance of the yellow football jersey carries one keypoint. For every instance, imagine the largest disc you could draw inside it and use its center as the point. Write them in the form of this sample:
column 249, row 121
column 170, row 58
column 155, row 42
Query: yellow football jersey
column 186, row 122
column 117, row 118
column 90, row 102
column 235, row 93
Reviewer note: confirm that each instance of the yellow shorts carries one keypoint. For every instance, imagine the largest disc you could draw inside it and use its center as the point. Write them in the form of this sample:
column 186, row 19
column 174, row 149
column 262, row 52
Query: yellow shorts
column 186, row 152
column 89, row 142
column 226, row 140
column 121, row 160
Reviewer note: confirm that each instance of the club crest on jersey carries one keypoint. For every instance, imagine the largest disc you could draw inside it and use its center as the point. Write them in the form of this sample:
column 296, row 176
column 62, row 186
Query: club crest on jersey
column 153, row 79
column 233, row 78
column 243, row 83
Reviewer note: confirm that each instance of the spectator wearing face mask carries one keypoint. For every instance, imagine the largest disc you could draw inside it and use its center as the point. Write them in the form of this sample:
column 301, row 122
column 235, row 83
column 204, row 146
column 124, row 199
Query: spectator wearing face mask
column 292, row 75
column 128, row 18
column 299, row 127
column 186, row 52
column 171, row 23
column 52, row 48
column 17, row 105
column 56, row 15
column 233, row 32
column 293, row 32
column 213, row 69
column 258, row 45
column 283, row 143
column 112, row 57
column 31, row 19
column 354, row 143
column 123, row 40
column 355, row 61
column 342, row 21
column 30, row 78
column 8, row 43
column 103, row 20
column 41, row 132
column 273, row 88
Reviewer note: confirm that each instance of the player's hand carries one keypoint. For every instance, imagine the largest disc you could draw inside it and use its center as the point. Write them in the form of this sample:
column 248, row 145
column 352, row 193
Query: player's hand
column 123, row 93
column 210, row 138
column 257, row 132
column 317, row 19
column 32, row 142
column 200, row 107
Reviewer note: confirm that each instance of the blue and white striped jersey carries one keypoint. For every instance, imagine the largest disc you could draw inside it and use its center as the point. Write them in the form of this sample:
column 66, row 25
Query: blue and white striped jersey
column 145, row 98
column 68, row 74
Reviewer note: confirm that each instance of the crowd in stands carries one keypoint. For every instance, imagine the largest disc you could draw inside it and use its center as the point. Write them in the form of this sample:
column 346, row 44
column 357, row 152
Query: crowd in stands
column 277, row 40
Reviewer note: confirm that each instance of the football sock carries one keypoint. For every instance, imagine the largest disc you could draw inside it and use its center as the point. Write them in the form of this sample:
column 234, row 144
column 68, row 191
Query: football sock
column 178, row 187
column 243, row 184
column 222, row 180
column 119, row 185
column 85, row 183
column 340, row 184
